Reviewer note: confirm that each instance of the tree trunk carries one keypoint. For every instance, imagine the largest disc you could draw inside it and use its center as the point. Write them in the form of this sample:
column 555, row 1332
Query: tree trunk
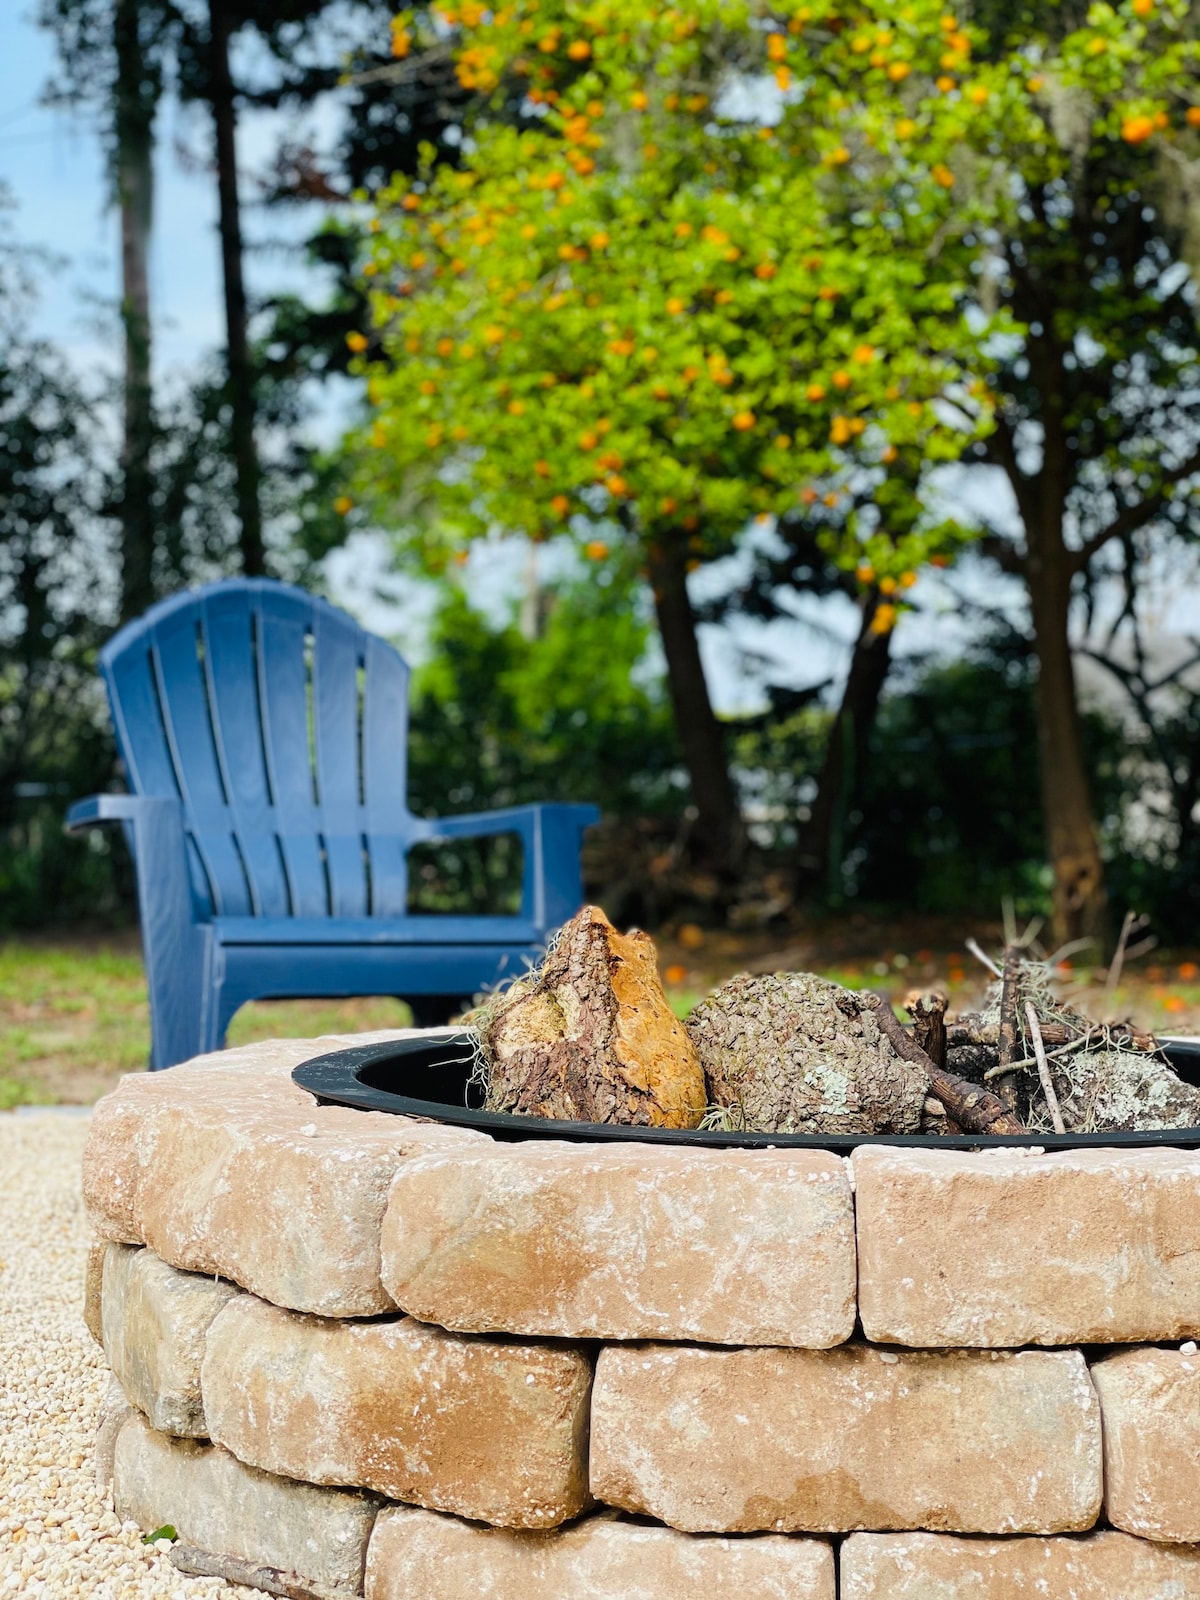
column 133, row 126
column 1079, row 901
column 241, row 377
column 845, row 758
column 719, row 821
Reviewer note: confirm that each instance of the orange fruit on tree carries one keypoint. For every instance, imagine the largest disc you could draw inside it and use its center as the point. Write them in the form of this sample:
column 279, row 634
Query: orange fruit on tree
column 743, row 421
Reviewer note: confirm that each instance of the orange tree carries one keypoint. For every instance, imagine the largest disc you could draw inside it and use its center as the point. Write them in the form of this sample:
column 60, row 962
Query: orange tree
column 716, row 283
column 732, row 274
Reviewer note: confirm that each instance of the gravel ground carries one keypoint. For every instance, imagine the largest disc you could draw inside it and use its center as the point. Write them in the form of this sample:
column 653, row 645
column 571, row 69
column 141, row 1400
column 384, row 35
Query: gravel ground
column 58, row 1536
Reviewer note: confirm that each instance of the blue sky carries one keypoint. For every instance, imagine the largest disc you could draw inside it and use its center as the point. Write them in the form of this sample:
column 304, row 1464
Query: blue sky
column 51, row 162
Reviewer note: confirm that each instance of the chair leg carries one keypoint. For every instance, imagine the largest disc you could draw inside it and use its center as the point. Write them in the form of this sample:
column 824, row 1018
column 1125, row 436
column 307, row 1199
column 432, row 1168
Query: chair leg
column 435, row 1010
column 184, row 1004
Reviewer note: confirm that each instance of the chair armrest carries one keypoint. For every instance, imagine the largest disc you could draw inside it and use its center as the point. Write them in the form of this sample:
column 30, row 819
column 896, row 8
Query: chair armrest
column 100, row 809
column 510, row 819
column 551, row 835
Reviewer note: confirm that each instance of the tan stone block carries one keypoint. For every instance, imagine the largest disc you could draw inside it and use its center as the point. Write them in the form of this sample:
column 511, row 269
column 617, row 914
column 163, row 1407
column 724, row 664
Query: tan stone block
column 218, row 1505
column 932, row 1566
column 224, row 1166
column 1150, row 1405
column 626, row 1242
column 154, row 1319
column 491, row 1430
column 828, row 1441
column 93, row 1286
column 419, row 1553
column 998, row 1248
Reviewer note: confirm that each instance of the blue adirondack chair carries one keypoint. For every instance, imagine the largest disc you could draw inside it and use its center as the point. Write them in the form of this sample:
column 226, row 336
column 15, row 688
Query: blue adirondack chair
column 264, row 738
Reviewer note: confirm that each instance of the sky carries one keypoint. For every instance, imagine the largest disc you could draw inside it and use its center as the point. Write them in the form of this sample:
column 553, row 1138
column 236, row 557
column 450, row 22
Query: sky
column 52, row 163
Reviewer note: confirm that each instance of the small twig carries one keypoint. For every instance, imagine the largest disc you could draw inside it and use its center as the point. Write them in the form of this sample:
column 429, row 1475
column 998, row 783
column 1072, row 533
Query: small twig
column 1113, row 976
column 1006, row 1045
column 1031, row 932
column 1008, row 911
column 233, row 1569
column 1039, row 1051
column 1031, row 1061
column 1069, row 949
column 973, row 946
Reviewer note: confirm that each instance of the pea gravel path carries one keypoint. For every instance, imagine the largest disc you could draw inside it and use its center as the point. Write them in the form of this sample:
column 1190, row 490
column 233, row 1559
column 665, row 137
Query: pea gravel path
column 58, row 1537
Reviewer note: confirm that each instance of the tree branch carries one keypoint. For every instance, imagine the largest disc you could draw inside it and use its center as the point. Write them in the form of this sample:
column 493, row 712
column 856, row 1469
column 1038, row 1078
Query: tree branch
column 1132, row 518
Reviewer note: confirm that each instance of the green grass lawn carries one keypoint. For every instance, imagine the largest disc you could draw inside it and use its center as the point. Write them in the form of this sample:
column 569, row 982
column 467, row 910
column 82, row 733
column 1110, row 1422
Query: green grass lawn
column 73, row 1013
column 73, row 1018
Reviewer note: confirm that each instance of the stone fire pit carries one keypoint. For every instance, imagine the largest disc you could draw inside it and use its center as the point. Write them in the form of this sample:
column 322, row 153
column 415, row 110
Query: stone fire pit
column 357, row 1353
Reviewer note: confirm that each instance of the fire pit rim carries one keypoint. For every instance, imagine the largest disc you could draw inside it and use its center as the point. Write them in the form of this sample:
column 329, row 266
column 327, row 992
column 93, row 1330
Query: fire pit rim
column 337, row 1078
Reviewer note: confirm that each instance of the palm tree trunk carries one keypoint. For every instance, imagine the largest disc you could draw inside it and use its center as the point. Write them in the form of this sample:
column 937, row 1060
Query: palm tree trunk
column 241, row 376
column 133, row 127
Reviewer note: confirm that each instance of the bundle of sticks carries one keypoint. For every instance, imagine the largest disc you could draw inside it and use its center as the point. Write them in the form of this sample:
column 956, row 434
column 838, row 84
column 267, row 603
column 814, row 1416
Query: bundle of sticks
column 1030, row 1062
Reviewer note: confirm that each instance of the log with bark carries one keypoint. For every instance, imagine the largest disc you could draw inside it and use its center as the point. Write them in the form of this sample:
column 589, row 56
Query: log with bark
column 590, row 1036
column 974, row 1108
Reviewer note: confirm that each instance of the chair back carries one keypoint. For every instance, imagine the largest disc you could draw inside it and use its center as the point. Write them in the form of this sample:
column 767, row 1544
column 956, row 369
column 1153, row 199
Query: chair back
column 283, row 728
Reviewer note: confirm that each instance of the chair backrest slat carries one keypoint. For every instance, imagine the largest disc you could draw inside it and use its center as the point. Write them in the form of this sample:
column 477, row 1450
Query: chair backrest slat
column 232, row 680
column 177, row 651
column 385, row 775
column 337, row 661
column 282, row 727
column 285, row 652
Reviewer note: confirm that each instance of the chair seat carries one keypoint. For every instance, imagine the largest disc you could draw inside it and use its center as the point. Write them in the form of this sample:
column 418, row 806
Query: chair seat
column 427, row 929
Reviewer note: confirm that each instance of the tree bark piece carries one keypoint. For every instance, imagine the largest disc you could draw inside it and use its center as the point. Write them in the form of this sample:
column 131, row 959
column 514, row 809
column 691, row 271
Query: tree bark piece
column 289, row 1585
column 790, row 1052
column 975, row 1109
column 590, row 1036
column 928, row 1013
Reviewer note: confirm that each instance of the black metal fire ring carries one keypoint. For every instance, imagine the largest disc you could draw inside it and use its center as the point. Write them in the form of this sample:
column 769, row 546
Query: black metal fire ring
column 413, row 1077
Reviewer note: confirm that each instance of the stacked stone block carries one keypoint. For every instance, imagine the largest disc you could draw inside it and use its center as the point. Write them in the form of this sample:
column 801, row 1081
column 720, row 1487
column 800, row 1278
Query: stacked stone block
column 396, row 1359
